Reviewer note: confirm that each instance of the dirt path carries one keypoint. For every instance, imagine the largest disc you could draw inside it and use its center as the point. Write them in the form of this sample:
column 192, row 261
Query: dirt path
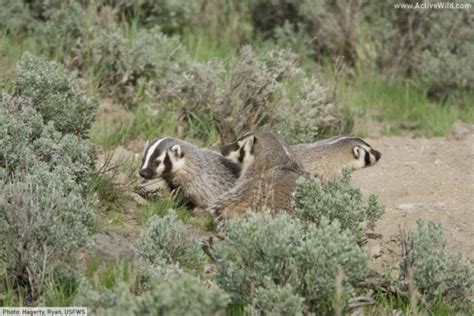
column 420, row 178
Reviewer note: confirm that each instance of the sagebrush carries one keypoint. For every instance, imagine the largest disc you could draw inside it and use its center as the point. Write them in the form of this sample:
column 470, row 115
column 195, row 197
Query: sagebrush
column 438, row 275
column 180, row 294
column 55, row 93
column 336, row 200
column 263, row 256
column 253, row 92
column 128, row 69
column 58, row 218
column 46, row 162
column 167, row 240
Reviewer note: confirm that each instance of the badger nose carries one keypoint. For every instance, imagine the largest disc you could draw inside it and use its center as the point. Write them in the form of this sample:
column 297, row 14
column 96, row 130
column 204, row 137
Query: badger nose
column 377, row 154
column 144, row 173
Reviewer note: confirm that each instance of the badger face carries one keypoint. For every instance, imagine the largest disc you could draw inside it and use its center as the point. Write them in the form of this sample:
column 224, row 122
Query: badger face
column 241, row 151
column 161, row 158
column 364, row 156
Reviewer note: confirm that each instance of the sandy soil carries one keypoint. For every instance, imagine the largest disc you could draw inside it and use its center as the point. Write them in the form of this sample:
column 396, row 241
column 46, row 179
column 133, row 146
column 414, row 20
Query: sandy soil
column 420, row 178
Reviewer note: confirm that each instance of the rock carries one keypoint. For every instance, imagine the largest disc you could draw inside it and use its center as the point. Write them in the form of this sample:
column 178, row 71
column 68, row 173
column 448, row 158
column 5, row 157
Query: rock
column 138, row 198
column 406, row 206
column 155, row 187
column 460, row 130
column 375, row 251
column 114, row 246
column 409, row 125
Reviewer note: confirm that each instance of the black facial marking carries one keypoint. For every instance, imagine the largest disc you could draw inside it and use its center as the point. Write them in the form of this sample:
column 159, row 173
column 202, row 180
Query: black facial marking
column 367, row 158
column 253, row 145
column 145, row 173
column 241, row 155
column 155, row 155
column 377, row 154
column 168, row 164
column 228, row 148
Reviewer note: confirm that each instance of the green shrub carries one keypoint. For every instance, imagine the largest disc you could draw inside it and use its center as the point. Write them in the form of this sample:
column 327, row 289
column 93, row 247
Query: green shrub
column 181, row 294
column 448, row 67
column 435, row 44
column 171, row 15
column 167, row 240
column 61, row 286
column 65, row 29
column 125, row 66
column 25, row 141
column 294, row 36
column 335, row 200
column 45, row 162
column 323, row 28
column 45, row 218
column 253, row 92
column 280, row 254
column 276, row 300
column 21, row 125
column 116, row 301
column 15, row 16
column 55, row 94
column 438, row 275
column 67, row 150
column 314, row 113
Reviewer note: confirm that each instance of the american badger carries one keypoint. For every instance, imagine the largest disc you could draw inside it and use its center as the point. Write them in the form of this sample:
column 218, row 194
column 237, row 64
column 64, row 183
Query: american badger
column 267, row 179
column 324, row 159
column 327, row 158
column 201, row 174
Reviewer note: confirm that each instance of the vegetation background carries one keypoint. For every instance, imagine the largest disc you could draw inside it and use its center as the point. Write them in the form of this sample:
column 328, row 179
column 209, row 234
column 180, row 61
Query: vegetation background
column 80, row 78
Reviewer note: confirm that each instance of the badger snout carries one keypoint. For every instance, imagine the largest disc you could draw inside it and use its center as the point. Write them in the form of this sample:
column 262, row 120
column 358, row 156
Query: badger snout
column 146, row 174
column 377, row 154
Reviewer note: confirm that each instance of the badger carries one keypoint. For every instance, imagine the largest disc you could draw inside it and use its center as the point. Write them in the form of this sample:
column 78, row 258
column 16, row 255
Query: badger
column 202, row 175
column 324, row 159
column 267, row 180
column 327, row 158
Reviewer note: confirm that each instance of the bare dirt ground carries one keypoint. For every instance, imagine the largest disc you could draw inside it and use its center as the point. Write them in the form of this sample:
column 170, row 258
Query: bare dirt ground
column 431, row 179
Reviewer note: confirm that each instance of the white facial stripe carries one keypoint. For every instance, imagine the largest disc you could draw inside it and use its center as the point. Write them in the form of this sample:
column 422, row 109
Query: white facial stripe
column 234, row 156
column 359, row 163
column 338, row 139
column 161, row 166
column 150, row 152
column 367, row 149
column 372, row 159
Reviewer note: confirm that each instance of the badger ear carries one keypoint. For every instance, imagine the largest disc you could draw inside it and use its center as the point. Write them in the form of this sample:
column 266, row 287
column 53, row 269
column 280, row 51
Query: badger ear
column 356, row 151
column 177, row 151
